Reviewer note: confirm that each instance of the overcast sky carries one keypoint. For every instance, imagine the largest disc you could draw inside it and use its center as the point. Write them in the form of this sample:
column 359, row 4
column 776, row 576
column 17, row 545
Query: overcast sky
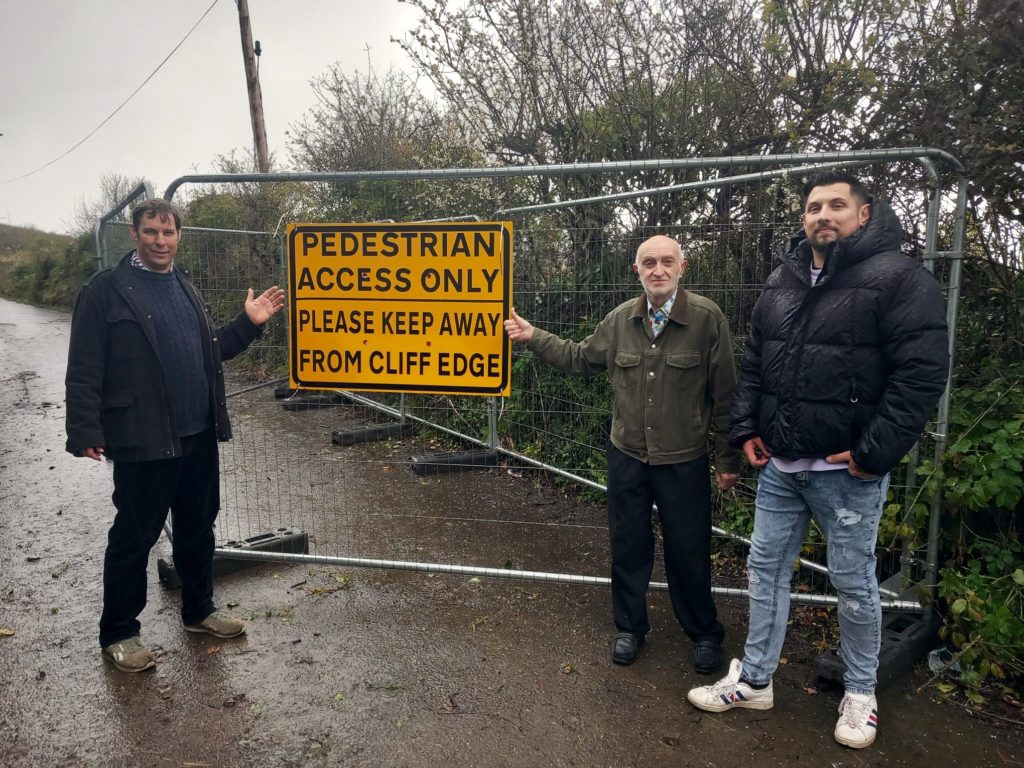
column 65, row 65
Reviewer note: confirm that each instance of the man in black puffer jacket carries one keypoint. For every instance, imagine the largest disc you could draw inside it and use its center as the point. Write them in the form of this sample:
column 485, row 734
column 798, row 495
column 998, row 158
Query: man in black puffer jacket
column 846, row 359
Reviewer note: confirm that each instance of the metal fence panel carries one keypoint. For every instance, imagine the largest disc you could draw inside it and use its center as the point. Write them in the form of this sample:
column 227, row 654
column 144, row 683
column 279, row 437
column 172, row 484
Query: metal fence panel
column 538, row 514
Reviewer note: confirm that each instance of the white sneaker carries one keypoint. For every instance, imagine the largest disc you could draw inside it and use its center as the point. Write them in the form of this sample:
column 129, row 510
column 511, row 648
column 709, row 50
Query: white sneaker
column 729, row 692
column 858, row 720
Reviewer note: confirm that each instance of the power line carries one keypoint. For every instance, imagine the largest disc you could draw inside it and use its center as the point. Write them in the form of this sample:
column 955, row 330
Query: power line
column 121, row 105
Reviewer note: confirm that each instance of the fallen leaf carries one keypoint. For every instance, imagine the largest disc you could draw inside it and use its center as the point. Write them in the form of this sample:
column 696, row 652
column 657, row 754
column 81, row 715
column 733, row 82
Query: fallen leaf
column 810, row 690
column 213, row 649
column 672, row 741
column 6, row 632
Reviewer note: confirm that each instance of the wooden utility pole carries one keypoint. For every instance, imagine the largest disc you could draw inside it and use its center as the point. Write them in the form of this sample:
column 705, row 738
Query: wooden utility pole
column 252, row 81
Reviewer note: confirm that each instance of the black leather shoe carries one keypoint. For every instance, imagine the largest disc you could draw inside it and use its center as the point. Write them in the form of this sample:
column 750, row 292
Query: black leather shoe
column 707, row 656
column 626, row 647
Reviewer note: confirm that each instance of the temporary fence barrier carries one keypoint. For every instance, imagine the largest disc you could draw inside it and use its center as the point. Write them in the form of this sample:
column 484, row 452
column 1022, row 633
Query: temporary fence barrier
column 410, row 500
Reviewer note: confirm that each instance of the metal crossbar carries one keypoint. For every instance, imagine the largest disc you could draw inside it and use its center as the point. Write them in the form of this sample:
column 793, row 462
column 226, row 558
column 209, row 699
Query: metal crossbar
column 363, row 505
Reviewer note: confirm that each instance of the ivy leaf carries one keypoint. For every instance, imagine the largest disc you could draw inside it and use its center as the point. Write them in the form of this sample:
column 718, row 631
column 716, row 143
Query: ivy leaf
column 1018, row 577
column 959, row 606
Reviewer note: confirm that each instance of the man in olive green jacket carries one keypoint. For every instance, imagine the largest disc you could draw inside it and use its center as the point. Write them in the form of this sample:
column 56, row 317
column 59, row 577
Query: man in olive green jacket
column 669, row 356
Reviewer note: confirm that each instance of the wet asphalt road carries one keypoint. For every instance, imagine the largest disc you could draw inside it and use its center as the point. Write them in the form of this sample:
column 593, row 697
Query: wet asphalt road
column 350, row 667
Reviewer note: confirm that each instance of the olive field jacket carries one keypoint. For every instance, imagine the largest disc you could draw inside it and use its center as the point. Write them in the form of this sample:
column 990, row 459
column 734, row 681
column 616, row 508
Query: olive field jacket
column 669, row 391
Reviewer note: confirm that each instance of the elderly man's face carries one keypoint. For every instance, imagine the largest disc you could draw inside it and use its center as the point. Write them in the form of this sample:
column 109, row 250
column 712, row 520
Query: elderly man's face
column 659, row 265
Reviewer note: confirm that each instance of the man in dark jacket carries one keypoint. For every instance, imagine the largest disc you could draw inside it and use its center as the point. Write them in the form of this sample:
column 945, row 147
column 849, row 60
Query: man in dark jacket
column 145, row 389
column 669, row 357
column 847, row 357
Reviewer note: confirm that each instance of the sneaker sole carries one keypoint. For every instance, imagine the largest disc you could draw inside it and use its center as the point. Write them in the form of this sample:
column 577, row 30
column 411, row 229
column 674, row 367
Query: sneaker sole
column 204, row 631
column 735, row 705
column 123, row 668
column 851, row 745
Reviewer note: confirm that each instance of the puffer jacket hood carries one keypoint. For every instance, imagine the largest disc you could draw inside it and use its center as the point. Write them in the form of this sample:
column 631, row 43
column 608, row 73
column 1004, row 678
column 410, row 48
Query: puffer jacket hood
column 882, row 234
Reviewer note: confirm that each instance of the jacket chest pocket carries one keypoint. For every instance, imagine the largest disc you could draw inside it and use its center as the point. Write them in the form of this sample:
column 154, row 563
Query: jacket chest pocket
column 127, row 337
column 626, row 371
column 683, row 370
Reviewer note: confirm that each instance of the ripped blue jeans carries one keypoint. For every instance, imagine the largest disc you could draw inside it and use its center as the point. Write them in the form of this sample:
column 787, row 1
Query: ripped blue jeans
column 847, row 511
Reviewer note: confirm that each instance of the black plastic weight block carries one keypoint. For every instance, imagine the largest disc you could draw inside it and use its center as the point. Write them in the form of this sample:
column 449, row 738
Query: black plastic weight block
column 446, row 463
column 290, row 540
column 906, row 638
column 370, row 434
column 311, row 402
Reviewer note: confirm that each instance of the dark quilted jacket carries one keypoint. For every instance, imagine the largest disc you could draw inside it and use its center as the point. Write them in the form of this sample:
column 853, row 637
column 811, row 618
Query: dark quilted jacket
column 856, row 362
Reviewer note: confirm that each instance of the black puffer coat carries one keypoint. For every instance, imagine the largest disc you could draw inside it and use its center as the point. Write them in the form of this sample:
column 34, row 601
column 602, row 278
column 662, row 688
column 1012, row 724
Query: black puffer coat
column 856, row 362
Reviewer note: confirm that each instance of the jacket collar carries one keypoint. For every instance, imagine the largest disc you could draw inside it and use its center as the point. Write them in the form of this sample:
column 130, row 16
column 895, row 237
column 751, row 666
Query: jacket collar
column 678, row 313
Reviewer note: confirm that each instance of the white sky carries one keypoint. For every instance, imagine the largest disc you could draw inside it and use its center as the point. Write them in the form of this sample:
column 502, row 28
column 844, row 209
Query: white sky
column 65, row 65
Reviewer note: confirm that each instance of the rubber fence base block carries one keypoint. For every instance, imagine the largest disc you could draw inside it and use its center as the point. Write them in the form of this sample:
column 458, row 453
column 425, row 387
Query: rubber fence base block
column 906, row 638
column 313, row 401
column 370, row 434
column 290, row 540
column 446, row 463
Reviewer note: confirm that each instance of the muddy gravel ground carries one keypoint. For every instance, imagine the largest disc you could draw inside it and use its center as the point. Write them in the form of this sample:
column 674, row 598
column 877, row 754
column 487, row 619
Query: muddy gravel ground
column 359, row 667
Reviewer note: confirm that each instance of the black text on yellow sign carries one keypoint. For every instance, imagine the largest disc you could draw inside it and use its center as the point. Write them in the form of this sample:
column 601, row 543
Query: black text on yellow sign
column 400, row 307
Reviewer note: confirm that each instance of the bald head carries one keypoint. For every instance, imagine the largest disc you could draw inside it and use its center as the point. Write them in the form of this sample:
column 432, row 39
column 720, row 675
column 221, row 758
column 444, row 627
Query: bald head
column 659, row 265
column 659, row 244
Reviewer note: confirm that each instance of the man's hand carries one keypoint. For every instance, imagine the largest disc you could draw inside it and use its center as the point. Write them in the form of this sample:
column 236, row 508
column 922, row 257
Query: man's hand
column 756, row 453
column 263, row 307
column 517, row 328
column 853, row 469
column 726, row 480
column 95, row 453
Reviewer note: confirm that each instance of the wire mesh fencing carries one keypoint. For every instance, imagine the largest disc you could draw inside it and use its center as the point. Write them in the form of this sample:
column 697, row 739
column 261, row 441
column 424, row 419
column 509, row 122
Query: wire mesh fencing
column 519, row 489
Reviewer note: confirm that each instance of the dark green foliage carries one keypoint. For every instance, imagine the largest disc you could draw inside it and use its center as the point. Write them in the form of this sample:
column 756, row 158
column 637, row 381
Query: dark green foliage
column 42, row 268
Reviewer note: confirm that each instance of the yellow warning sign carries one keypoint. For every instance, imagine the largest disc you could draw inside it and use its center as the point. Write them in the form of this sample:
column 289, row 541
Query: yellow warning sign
column 400, row 307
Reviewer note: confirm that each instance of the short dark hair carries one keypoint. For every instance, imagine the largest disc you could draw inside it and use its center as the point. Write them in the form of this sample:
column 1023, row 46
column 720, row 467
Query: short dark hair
column 826, row 178
column 158, row 208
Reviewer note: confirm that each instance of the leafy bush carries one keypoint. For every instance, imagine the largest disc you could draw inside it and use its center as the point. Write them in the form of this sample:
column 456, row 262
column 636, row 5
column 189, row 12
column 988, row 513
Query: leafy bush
column 982, row 582
column 985, row 618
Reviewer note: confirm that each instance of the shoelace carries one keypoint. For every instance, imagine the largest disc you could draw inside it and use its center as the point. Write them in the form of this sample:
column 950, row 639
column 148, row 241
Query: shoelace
column 724, row 686
column 855, row 712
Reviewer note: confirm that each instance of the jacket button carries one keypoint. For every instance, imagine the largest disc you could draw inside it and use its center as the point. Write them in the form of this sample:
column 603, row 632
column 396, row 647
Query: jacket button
column 654, row 346
column 651, row 374
column 214, row 338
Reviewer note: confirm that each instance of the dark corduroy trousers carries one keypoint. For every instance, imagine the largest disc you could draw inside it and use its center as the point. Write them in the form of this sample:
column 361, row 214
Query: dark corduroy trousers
column 683, row 494
column 189, row 487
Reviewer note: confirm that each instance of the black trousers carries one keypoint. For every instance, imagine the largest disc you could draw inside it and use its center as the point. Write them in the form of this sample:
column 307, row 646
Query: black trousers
column 683, row 495
column 144, row 491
